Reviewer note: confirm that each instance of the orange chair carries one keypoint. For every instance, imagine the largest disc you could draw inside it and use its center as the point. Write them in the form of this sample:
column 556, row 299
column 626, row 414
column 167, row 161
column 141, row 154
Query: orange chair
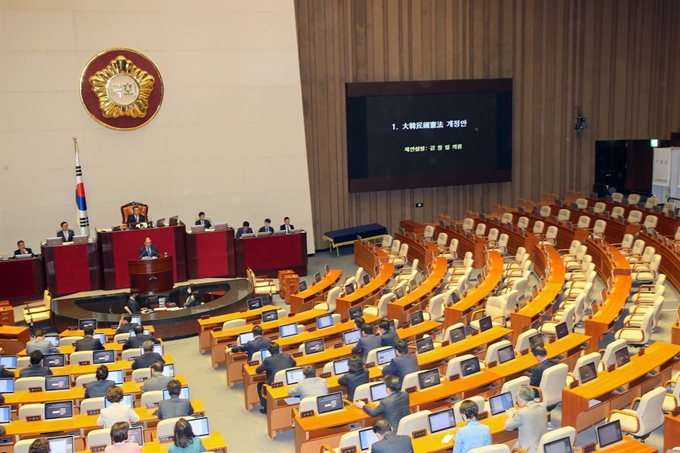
column 127, row 210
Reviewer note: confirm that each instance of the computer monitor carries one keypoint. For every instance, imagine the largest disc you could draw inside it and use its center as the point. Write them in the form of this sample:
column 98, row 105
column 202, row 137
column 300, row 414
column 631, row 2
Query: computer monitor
column 385, row 356
column 254, row 304
column 222, row 227
column 351, row 337
column 429, row 378
column 294, row 375
column 136, row 320
column 100, row 336
column 58, row 409
column 136, row 435
column 314, row 346
column 378, row 391
column 561, row 330
column 59, row 382
column 355, row 312
column 302, row 286
column 288, row 330
column 184, row 393
column 173, row 220
column 622, row 357
column 54, row 360
column 106, row 356
column 416, row 317
column 349, row 289
column 424, row 345
column 6, row 385
column 366, row 279
column 399, row 293
column 8, row 361
column 169, row 370
column 245, row 337
column 127, row 399
column 5, row 414
column 324, row 321
column 87, row 322
column 485, row 324
column 53, row 339
column 340, row 366
column 51, row 242
column 442, row 420
column 457, row 334
column 376, row 270
column 562, row 445
column 62, row 444
column 116, row 376
column 469, row 366
column 535, row 341
column 609, row 433
column 587, row 372
column 270, row 315
column 200, row 426
column 412, row 285
column 317, row 277
column 157, row 348
column 505, row 354
column 326, row 269
column 367, row 438
column 197, row 229
column 500, row 403
column 264, row 353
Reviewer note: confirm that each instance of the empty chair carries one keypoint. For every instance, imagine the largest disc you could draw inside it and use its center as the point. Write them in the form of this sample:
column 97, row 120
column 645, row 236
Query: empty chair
column 563, row 215
column 646, row 418
column 402, row 258
column 442, row 240
column 633, row 199
column 468, row 224
column 492, row 351
column 646, row 272
column 556, row 434
column 637, row 335
column 233, row 323
column 635, row 251
column 408, row 272
column 609, row 353
column 539, row 226
column 520, row 285
column 121, row 337
column 435, row 308
column 428, row 235
column 599, row 207
column 651, row 202
column 637, row 313
column 617, row 197
column 545, row 211
column 498, row 307
column 166, row 428
column 98, row 437
column 308, row 404
column 626, row 244
column 452, row 252
column 330, row 303
column 618, row 212
column 145, row 373
column 480, row 230
column 446, row 335
column 554, row 379
column 516, row 261
column 453, row 367
column 380, row 310
column 31, row 410
column 512, row 275
column 492, row 237
column 523, row 222
column 386, row 242
column 550, row 236
column 582, row 203
column 394, row 249
column 414, row 422
column 583, row 222
column 567, row 315
column 593, row 357
column 634, row 217
column 522, row 342
column 650, row 222
column 501, row 246
column 85, row 379
column 668, row 208
column 26, row 383
column 599, row 228
column 506, row 218
column 647, row 293
column 152, row 397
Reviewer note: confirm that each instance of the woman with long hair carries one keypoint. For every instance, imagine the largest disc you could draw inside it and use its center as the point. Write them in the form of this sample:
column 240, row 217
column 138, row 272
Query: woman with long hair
column 185, row 440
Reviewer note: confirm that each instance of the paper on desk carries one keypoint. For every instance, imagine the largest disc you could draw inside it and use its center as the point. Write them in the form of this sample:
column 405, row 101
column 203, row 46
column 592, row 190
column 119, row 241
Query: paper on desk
column 292, row 400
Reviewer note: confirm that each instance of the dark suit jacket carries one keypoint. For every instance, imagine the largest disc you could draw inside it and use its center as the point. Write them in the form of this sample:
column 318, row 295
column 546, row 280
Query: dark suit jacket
column 366, row 344
column 97, row 389
column 89, row 344
column 402, row 365
column 138, row 341
column 174, row 407
column 133, row 305
column 145, row 360
column 283, row 227
column 392, row 443
column 131, row 219
column 392, row 408
column 264, row 229
column 35, row 370
column 240, row 232
column 352, row 381
column 144, row 254
column 206, row 222
column 389, row 338
column 254, row 345
column 67, row 237
column 275, row 363
column 537, row 372
column 18, row 251
column 126, row 328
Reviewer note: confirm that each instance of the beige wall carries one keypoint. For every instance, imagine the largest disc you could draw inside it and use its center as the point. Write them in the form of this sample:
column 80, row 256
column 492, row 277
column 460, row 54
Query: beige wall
column 228, row 140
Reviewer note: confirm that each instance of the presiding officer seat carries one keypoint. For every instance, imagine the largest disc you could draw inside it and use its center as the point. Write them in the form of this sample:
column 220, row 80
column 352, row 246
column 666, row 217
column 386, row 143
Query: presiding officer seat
column 128, row 209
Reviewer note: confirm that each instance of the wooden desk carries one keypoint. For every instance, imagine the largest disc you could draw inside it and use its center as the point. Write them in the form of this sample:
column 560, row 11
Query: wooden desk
column 466, row 244
column 515, row 238
column 266, row 255
column 369, row 256
column 109, row 332
column 417, row 251
column 627, row 445
column 312, row 432
column 671, row 432
column 604, row 320
column 485, row 383
column 366, row 295
column 416, row 299
column 13, row 338
column 214, row 442
column 433, row 443
column 616, row 389
column 211, row 254
column 206, row 326
column 304, row 300
column 670, row 260
column 22, row 279
column 411, row 226
column 665, row 225
column 71, row 268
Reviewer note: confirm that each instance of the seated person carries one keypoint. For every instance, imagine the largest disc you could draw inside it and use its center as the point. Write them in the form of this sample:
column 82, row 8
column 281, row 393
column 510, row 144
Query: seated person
column 388, row 441
column 40, row 445
column 277, row 361
column 98, row 388
column 139, row 339
column 310, row 385
column 388, row 337
column 89, row 343
column 132, row 303
column 359, row 321
column 403, row 364
column 117, row 411
column 65, row 234
column 245, row 229
column 148, row 250
column 287, row 225
column 147, row 358
column 40, row 344
column 157, row 381
column 175, row 406
column 119, row 440
column 356, row 376
column 530, row 420
column 473, row 434
column 185, row 440
column 267, row 228
column 543, row 364
column 135, row 217
column 192, row 299
column 367, row 342
column 393, row 407
column 35, row 368
column 258, row 343
column 125, row 325
column 22, row 250
column 203, row 221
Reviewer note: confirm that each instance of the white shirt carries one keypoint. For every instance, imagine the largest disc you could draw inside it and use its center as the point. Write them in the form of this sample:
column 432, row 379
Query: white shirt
column 117, row 412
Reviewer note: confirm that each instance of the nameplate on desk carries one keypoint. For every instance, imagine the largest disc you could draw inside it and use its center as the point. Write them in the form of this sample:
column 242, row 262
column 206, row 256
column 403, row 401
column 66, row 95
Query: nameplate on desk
column 326, row 375
column 72, row 328
column 454, row 377
column 482, row 415
column 290, row 315
column 257, row 321
column 131, row 359
column 306, row 414
column 474, row 332
column 338, row 345
column 35, row 389
column 641, row 351
column 675, row 412
column 405, row 325
column 94, row 412
column 352, row 449
column 276, row 385
column 524, row 351
column 84, row 362
column 243, row 310
column 552, row 339
column 589, row 448
column 344, row 320
column 573, row 384
column 33, row 418
column 274, row 337
column 205, row 317
column 311, row 329
column 253, row 362
column 151, row 405
column 165, row 439
column 369, row 365
column 419, row 433
column 122, row 341
column 491, row 364
column 96, row 448
column 141, row 379
column 611, row 367
column 217, row 328
column 298, row 354
column 446, row 343
column 411, row 389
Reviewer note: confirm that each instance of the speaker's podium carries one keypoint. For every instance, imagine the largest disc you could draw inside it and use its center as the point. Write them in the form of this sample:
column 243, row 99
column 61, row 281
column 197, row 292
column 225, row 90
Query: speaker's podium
column 151, row 276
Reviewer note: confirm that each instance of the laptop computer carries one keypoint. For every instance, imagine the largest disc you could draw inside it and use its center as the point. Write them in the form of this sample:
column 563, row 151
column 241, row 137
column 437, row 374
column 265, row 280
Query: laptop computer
column 351, row 337
column 378, row 391
column 270, row 315
column 485, row 324
column 117, row 376
column 169, row 370
column 500, row 403
column 355, row 312
column 609, row 433
column 87, row 322
column 6, row 385
column 457, row 334
column 561, row 330
column 535, row 341
column 254, row 304
column 349, row 289
column 302, row 286
column 587, row 372
column 622, row 357
column 385, row 356
column 329, row 403
column 317, row 277
column 5, row 414
column 58, row 409
column 294, row 375
column 136, row 435
column 506, row 354
column 80, row 239
column 424, row 345
column 324, row 321
column 367, row 438
column 314, row 346
column 127, row 399
column 288, row 330
column 106, row 356
column 562, row 445
column 54, row 360
column 245, row 337
column 441, row 421
column 429, row 378
column 416, row 318
column 200, row 426
column 365, row 279
column 9, row 362
column 340, row 366
column 62, row 444
column 59, row 382
column 469, row 366
column 197, row 229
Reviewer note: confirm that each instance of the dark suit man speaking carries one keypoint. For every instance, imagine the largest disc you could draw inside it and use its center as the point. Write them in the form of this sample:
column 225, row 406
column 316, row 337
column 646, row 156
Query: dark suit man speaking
column 287, row 225
column 148, row 251
column 245, row 229
column 203, row 221
column 267, row 228
column 135, row 217
column 65, row 233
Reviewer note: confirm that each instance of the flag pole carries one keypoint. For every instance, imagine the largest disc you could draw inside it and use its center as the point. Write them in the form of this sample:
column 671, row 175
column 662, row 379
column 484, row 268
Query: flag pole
column 81, row 204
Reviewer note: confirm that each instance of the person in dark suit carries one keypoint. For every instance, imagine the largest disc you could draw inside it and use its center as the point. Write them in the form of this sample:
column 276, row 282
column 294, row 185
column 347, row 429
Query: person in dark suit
column 22, row 250
column 125, row 325
column 276, row 362
column 157, row 381
column 192, row 299
column 65, row 233
column 367, row 342
column 35, row 367
column 4, row 374
column 89, row 343
column 356, row 376
column 148, row 250
column 267, row 228
column 138, row 340
column 287, row 225
column 543, row 364
column 203, row 221
column 175, row 406
column 245, row 229
column 388, row 441
column 98, row 388
column 132, row 303
column 393, row 407
column 148, row 357
column 388, row 337
column 135, row 217
column 258, row 343
column 403, row 364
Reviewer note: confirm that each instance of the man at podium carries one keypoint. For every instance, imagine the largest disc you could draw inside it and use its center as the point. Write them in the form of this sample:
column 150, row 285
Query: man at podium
column 65, row 234
column 148, row 251
column 135, row 217
column 203, row 221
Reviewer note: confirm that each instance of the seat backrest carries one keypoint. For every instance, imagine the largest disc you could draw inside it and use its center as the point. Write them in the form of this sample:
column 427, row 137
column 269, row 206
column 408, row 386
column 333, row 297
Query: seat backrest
column 633, row 199
column 669, row 207
column 410, row 380
column 309, row 404
column 627, row 241
column 650, row 411
column 166, row 428
column 599, row 207
column 143, row 373
column 386, row 241
column 446, row 335
column 582, row 203
column 512, row 385
column 151, row 397
column 382, row 304
column 26, row 383
column 522, row 342
column 22, row 446
column 233, row 323
column 453, row 367
column 453, row 245
column 68, row 341
column 350, row 439
column 414, row 422
column 85, row 379
column 128, row 209
column 500, row 448
column 634, row 216
column 493, row 234
column 332, row 297
column 396, row 245
column 523, row 222
column 121, row 337
column 481, row 229
column 583, row 222
column 552, row 232
column 618, row 211
column 593, row 357
column 80, row 356
column 600, row 227
column 507, row 218
column 492, row 350
column 90, row 404
column 98, row 437
column 554, row 379
column 638, row 247
column 30, row 410
column 129, row 354
column 608, row 357
column 556, row 434
column 563, row 214
column 617, row 197
column 363, row 391
column 468, row 224
column 429, row 232
column 545, row 211
column 442, row 239
column 436, row 307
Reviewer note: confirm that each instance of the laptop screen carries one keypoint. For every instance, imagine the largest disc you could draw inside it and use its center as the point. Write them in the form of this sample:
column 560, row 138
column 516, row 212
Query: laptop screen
column 54, row 339
column 440, row 421
column 367, row 438
column 169, row 370
column 424, row 345
column 588, row 372
column 245, row 337
column 294, row 375
column 302, row 286
column 270, row 315
column 183, row 394
column 157, row 348
column 324, row 321
column 469, row 366
column 561, row 330
column 199, row 426
column 326, row 268
column 5, row 413
column 366, row 279
column 317, row 277
column 7, row 385
column 412, row 285
column 136, row 320
column 87, row 322
column 429, row 378
column 355, row 312
column 62, row 444
column 351, row 337
column 457, row 334
column 9, row 361
column 485, row 324
column 101, row 336
column 349, row 289
column 340, row 366
column 506, row 353
column 314, row 346
column 378, row 391
column 535, row 340
column 54, row 360
column 103, row 356
column 58, row 409
column 558, row 446
column 385, row 356
column 500, row 403
column 329, row 403
column 136, row 435
column 416, row 318
column 622, row 357
column 288, row 330
column 116, row 376
column 254, row 304
column 399, row 293
column 609, row 433
column 127, row 399
column 61, row 382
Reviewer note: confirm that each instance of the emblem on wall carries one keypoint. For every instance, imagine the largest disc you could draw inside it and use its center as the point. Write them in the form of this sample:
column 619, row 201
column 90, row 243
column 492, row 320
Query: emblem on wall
column 121, row 89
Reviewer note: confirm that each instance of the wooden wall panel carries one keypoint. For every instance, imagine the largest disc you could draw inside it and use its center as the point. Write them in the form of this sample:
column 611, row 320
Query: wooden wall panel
column 615, row 60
